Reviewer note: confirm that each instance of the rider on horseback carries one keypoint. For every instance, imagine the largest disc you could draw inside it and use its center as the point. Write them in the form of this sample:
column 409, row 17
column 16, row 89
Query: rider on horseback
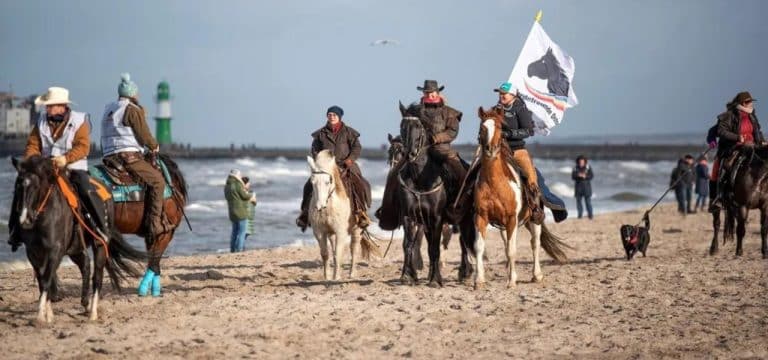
column 124, row 134
column 343, row 141
column 737, row 126
column 64, row 135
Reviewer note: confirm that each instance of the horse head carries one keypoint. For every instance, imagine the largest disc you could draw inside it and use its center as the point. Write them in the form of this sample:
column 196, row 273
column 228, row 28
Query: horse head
column 325, row 178
column 34, row 183
column 490, row 130
column 413, row 134
column 396, row 151
column 548, row 68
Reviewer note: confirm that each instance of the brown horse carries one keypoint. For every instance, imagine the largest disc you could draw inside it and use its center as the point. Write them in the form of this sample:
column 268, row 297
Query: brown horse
column 129, row 219
column 498, row 201
column 749, row 190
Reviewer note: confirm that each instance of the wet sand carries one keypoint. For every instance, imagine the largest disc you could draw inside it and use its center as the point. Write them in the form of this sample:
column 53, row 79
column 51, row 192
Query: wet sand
column 676, row 303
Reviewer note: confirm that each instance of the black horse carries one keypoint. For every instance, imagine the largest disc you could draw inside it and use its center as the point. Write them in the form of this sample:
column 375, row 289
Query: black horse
column 423, row 200
column 548, row 68
column 50, row 229
column 748, row 190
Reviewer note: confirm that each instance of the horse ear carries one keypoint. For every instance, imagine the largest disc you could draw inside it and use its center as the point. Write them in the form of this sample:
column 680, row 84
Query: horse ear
column 389, row 137
column 311, row 163
column 481, row 113
column 403, row 109
column 15, row 161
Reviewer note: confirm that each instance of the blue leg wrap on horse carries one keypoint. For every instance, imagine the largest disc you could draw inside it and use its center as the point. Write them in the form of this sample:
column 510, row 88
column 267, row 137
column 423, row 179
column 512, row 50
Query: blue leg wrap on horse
column 156, row 287
column 145, row 282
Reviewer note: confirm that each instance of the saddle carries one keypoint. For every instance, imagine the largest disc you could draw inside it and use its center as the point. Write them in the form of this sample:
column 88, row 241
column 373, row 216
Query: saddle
column 124, row 186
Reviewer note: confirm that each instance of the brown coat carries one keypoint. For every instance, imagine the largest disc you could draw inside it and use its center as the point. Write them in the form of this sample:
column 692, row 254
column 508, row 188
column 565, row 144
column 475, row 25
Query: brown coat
column 135, row 118
column 344, row 145
column 441, row 122
column 81, row 145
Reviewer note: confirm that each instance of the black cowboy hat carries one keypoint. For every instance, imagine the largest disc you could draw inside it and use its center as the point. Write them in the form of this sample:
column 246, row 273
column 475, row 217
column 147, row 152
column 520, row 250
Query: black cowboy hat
column 430, row 86
column 743, row 97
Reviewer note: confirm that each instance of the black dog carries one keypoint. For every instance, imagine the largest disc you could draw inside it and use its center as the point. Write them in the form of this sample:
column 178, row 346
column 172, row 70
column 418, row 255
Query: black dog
column 636, row 238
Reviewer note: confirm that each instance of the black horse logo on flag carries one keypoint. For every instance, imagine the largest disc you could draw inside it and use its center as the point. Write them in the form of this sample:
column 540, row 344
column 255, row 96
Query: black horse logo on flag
column 548, row 68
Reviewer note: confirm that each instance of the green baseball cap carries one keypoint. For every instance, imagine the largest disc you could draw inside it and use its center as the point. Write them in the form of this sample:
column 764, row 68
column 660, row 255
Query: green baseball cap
column 506, row 88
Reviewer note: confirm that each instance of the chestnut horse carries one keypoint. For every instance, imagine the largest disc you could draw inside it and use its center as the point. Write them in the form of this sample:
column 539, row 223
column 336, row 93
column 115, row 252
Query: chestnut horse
column 498, row 201
column 129, row 219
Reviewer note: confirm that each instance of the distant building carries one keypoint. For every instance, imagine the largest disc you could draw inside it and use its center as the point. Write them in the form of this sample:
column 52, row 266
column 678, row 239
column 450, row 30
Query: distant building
column 17, row 116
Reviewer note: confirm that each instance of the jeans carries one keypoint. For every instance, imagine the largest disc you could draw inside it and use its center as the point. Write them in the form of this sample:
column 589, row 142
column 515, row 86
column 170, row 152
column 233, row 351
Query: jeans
column 237, row 241
column 683, row 196
column 701, row 200
column 587, row 201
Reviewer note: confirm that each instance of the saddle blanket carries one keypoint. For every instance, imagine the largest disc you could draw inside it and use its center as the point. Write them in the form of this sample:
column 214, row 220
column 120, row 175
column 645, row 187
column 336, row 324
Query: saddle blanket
column 129, row 192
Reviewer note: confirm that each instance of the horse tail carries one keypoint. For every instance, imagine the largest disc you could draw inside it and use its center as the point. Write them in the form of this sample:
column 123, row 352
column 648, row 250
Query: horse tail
column 553, row 245
column 120, row 251
column 729, row 225
column 368, row 246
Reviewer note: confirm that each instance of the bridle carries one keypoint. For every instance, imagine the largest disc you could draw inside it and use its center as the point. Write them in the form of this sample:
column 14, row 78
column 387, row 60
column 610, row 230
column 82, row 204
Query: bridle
column 333, row 185
column 40, row 208
column 491, row 150
column 421, row 140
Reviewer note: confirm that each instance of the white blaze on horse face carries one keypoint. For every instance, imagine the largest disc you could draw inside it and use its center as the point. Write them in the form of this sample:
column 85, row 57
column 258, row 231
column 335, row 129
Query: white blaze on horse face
column 23, row 216
column 490, row 127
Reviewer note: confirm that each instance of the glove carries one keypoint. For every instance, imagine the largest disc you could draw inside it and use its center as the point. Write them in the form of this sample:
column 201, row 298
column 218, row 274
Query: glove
column 60, row 161
column 712, row 144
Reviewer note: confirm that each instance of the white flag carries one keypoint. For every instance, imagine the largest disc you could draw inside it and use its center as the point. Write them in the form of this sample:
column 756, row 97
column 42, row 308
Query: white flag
column 543, row 75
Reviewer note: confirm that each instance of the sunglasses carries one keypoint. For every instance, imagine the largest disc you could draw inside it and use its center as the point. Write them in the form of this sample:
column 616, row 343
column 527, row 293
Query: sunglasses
column 747, row 102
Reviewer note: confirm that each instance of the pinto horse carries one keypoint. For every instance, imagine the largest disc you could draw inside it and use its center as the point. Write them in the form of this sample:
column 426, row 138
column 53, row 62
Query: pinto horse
column 423, row 200
column 749, row 190
column 331, row 217
column 498, row 201
column 129, row 219
column 51, row 229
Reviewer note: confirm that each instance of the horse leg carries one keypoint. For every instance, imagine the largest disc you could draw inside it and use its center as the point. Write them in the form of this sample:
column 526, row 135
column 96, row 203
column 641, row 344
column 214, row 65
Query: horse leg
column 44, row 273
column 322, row 240
column 99, row 262
column 741, row 228
column 713, row 248
column 433, row 245
column 481, row 225
column 510, row 244
column 418, row 260
column 764, row 232
column 342, row 239
column 409, row 275
column 152, row 277
column 352, row 250
column 83, row 263
column 535, row 231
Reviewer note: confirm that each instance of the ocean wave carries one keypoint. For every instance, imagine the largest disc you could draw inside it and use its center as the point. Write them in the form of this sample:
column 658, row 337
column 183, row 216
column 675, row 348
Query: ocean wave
column 207, row 206
column 561, row 189
column 635, row 165
column 565, row 170
column 246, row 162
column 377, row 192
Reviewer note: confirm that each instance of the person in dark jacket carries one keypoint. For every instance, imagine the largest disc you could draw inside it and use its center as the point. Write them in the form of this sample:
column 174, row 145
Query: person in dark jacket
column 518, row 125
column 582, row 176
column 702, row 183
column 737, row 126
column 681, row 180
column 343, row 141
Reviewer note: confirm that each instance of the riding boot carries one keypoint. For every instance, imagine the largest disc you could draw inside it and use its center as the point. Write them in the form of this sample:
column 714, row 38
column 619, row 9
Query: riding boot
column 303, row 220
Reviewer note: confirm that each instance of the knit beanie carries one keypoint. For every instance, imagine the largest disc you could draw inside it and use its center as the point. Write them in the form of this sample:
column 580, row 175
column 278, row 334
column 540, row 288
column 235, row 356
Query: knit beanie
column 336, row 110
column 127, row 88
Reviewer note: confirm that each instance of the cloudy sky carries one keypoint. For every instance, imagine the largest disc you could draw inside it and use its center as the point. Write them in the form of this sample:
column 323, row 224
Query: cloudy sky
column 264, row 72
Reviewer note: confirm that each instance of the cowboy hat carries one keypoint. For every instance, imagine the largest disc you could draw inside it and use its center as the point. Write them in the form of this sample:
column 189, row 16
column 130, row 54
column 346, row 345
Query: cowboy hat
column 54, row 96
column 430, row 86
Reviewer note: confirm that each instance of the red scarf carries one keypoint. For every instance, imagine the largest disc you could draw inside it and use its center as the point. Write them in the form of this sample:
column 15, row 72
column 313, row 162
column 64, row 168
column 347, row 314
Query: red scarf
column 335, row 128
column 427, row 100
column 745, row 128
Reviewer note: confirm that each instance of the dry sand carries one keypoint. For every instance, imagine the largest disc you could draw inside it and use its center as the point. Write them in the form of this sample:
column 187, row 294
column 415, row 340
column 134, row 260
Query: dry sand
column 676, row 303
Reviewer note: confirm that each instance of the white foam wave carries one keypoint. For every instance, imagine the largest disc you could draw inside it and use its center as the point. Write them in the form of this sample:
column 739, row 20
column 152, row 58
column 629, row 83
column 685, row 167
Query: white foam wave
column 216, row 182
column 561, row 189
column 565, row 170
column 247, row 162
column 635, row 165
column 207, row 206
column 377, row 192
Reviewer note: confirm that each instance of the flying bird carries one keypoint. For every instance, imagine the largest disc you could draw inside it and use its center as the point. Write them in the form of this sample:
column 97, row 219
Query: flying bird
column 383, row 42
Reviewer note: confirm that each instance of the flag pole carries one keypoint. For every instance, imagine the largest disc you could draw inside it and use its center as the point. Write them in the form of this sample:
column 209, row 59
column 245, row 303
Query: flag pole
column 538, row 16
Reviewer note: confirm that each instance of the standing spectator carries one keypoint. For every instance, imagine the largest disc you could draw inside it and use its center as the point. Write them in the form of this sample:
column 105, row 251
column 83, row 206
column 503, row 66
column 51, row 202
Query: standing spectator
column 237, row 201
column 689, row 178
column 582, row 176
column 702, row 183
column 681, row 180
column 249, row 227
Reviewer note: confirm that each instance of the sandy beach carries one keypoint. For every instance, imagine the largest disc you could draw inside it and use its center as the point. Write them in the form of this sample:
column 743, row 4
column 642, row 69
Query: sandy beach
column 676, row 303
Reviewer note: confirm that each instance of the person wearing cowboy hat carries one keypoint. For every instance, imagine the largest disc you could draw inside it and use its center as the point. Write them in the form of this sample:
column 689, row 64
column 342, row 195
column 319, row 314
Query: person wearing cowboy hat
column 441, row 123
column 64, row 135
column 343, row 141
column 124, row 138
column 737, row 126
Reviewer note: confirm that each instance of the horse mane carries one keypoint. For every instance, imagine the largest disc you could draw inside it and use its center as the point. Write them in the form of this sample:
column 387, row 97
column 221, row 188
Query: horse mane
column 327, row 162
column 176, row 174
column 38, row 165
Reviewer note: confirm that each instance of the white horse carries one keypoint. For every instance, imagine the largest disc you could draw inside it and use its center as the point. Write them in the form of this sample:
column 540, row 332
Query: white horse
column 331, row 217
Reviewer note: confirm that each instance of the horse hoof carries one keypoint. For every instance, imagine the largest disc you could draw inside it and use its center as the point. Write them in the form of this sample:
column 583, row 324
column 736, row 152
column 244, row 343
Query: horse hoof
column 537, row 278
column 156, row 286
column 479, row 285
column 713, row 252
column 435, row 284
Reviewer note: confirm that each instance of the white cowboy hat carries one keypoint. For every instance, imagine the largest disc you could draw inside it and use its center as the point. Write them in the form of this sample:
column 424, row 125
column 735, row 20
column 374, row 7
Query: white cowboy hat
column 54, row 96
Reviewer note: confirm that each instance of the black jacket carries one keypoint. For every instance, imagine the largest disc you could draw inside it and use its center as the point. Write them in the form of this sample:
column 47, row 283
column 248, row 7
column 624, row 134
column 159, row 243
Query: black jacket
column 518, row 124
column 582, row 186
column 684, row 171
column 728, row 130
column 441, row 122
